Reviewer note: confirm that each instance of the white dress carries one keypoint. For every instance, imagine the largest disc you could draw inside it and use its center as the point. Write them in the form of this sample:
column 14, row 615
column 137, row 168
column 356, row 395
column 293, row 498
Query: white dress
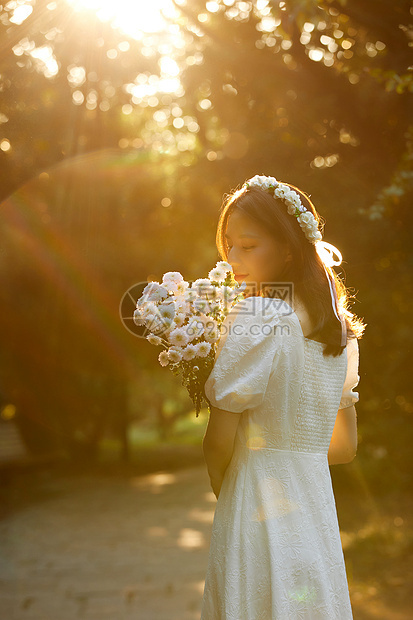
column 275, row 549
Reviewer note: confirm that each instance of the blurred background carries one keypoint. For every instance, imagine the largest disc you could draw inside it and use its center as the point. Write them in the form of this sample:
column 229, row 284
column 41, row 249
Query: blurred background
column 122, row 125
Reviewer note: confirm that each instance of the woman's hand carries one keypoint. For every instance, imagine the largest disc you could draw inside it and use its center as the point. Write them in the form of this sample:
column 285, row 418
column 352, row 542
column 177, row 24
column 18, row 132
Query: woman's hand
column 218, row 444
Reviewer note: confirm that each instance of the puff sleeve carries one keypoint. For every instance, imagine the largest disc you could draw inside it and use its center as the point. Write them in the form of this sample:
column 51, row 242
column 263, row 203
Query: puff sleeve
column 245, row 355
column 349, row 397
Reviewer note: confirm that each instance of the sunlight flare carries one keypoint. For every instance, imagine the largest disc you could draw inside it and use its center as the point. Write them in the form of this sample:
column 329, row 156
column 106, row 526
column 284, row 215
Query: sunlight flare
column 133, row 17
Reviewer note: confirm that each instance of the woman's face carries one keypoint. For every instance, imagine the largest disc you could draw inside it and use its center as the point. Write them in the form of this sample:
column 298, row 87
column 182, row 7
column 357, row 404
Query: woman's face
column 255, row 256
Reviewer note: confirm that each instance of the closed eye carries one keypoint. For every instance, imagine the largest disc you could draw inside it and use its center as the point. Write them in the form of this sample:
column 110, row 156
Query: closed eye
column 246, row 248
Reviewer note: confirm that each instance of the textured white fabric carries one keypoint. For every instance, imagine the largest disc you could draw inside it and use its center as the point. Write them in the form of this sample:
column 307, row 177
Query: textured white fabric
column 275, row 549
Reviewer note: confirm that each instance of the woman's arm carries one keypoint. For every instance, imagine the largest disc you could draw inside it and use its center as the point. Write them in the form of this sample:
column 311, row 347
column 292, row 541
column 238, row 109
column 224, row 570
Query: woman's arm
column 218, row 444
column 343, row 444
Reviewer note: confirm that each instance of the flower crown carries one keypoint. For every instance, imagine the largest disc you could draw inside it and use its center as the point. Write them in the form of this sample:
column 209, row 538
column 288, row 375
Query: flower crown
column 305, row 218
column 328, row 253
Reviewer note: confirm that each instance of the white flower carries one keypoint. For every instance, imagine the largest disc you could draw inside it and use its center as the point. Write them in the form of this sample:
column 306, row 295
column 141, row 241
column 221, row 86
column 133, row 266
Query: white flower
column 203, row 348
column 291, row 209
column 179, row 319
column 282, row 191
column 194, row 329
column 158, row 324
column 190, row 294
column 138, row 318
column 203, row 286
column 148, row 308
column 222, row 264
column 154, row 339
column 292, row 198
column 182, row 306
column 149, row 319
column 293, row 202
column 201, row 305
column 163, row 358
column 154, row 292
column 181, row 287
column 306, row 218
column 189, row 352
column 211, row 335
column 167, row 310
column 262, row 181
column 172, row 277
column 217, row 274
column 174, row 355
column 316, row 236
column 179, row 337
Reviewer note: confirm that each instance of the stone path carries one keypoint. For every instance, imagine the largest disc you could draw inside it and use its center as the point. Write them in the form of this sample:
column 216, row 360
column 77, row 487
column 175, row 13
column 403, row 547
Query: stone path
column 118, row 548
column 123, row 546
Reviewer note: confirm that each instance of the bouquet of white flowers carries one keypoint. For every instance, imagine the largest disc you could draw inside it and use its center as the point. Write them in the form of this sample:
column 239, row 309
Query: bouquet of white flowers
column 186, row 320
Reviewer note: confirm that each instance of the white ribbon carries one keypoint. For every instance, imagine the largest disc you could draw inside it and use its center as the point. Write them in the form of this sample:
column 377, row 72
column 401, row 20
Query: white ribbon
column 327, row 252
column 331, row 257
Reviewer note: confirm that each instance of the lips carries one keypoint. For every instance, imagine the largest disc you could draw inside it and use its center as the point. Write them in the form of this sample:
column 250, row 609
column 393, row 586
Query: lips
column 240, row 276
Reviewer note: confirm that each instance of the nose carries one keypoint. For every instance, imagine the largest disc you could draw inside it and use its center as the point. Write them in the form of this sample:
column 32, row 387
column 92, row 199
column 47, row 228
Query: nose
column 232, row 258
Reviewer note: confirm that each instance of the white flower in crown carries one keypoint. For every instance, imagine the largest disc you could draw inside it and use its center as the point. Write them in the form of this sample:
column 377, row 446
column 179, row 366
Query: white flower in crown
column 264, row 182
column 316, row 236
column 291, row 209
column 307, row 221
column 290, row 197
column 292, row 200
column 282, row 191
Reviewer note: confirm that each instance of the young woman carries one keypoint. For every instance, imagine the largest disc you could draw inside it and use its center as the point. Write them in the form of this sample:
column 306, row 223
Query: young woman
column 281, row 410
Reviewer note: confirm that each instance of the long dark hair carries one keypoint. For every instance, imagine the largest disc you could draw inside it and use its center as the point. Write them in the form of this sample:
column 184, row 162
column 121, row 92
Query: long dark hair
column 306, row 269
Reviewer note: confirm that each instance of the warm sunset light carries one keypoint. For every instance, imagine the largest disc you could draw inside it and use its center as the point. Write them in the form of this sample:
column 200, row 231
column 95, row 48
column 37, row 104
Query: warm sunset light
column 193, row 423
column 133, row 17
